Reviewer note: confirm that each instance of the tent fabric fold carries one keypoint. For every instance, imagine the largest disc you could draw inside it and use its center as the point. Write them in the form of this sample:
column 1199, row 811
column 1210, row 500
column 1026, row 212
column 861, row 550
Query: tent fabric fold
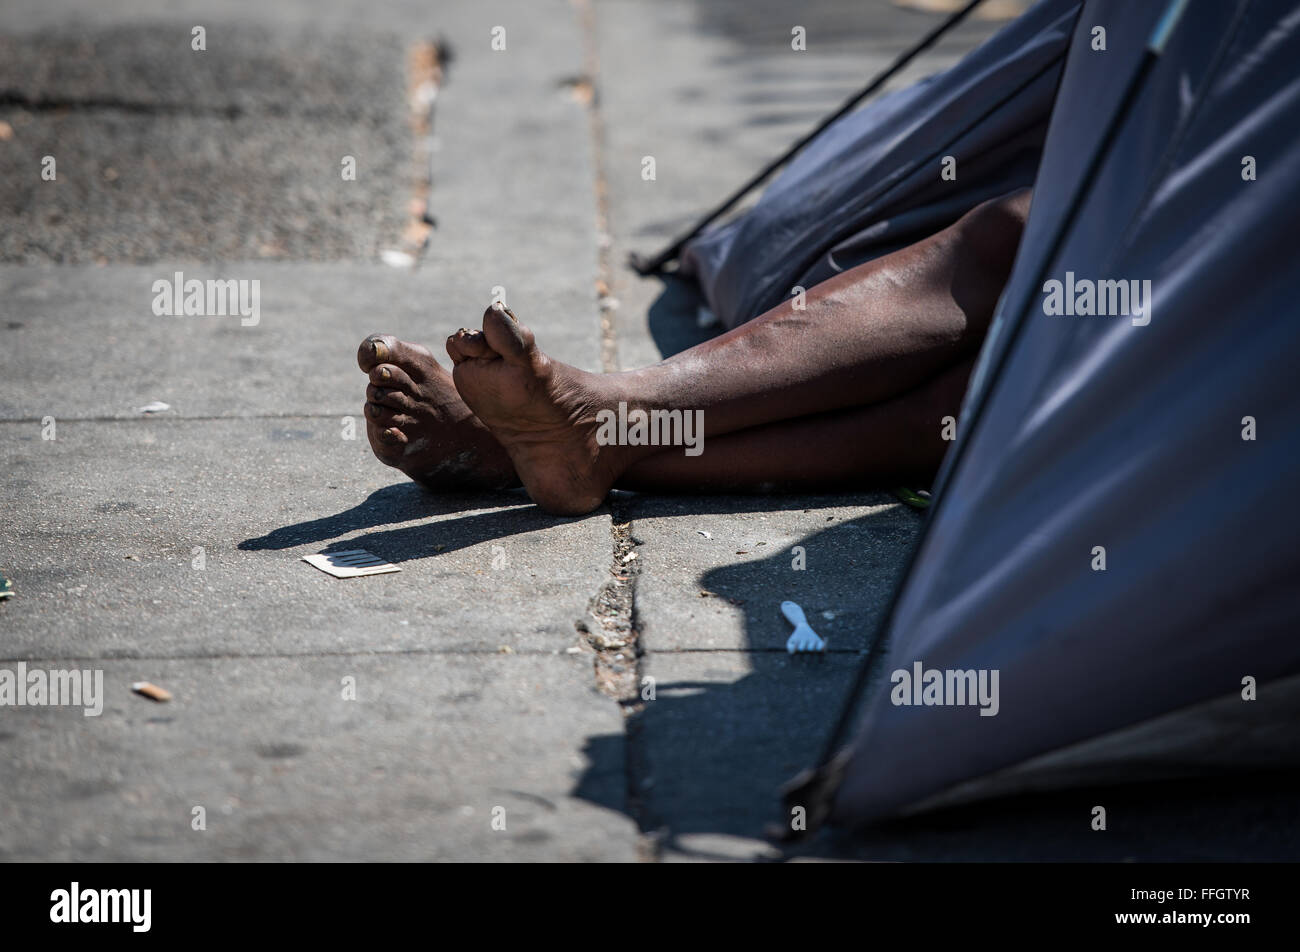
column 1114, row 533
column 870, row 183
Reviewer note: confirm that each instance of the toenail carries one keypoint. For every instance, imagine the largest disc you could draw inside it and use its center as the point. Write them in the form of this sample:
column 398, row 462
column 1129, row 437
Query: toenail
column 380, row 348
column 385, row 373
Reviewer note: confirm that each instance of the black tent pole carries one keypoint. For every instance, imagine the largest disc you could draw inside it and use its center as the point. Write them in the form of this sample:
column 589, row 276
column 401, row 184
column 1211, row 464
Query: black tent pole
column 655, row 265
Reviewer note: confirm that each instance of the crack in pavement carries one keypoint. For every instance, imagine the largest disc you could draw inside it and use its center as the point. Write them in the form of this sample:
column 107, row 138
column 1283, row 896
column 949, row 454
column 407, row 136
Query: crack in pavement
column 586, row 91
column 613, row 637
column 425, row 62
column 288, row 655
column 618, row 661
column 10, row 98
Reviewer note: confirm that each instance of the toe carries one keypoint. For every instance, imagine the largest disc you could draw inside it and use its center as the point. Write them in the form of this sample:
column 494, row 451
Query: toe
column 391, row 377
column 374, row 350
column 384, row 397
column 385, row 417
column 467, row 345
column 379, row 349
column 505, row 335
column 386, row 442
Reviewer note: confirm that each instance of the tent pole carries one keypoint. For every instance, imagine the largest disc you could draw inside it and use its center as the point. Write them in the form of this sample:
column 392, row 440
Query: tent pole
column 648, row 266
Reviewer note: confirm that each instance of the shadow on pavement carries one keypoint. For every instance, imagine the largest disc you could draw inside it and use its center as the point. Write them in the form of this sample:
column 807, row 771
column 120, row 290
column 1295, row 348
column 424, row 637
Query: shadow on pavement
column 672, row 318
column 727, row 729
column 407, row 502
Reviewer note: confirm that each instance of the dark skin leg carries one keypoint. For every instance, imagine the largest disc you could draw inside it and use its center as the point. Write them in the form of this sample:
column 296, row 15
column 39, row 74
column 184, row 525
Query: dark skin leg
column 867, row 336
column 898, row 440
column 859, row 382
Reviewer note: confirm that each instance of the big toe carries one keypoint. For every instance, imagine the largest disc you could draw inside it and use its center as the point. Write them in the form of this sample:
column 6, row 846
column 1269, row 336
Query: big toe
column 386, row 349
column 504, row 333
column 468, row 345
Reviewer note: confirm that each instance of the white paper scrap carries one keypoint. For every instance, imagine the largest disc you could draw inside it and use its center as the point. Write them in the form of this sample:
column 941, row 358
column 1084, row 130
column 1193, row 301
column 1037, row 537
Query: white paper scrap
column 351, row 563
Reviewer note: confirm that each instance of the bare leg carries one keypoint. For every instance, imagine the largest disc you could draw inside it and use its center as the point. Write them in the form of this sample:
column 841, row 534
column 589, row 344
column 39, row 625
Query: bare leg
column 896, row 440
column 866, row 336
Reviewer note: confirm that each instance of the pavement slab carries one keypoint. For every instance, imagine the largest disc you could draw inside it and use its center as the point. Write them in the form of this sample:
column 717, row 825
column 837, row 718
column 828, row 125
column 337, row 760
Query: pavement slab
column 298, row 359
column 104, row 558
column 233, row 152
column 723, row 590
column 725, row 730
column 168, row 546
column 513, row 179
column 244, row 68
column 417, row 767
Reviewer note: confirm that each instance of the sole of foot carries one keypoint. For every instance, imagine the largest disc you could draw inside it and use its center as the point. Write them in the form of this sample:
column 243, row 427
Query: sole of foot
column 417, row 423
column 542, row 411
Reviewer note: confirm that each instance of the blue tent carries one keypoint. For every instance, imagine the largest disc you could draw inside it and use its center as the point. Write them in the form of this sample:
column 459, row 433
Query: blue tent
column 869, row 183
column 1114, row 533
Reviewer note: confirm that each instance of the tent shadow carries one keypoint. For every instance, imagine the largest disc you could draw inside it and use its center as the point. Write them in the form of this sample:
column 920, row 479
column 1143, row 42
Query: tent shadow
column 671, row 319
column 727, row 728
column 706, row 758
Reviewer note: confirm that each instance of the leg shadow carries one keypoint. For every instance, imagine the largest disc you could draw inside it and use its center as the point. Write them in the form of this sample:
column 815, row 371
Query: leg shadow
column 429, row 536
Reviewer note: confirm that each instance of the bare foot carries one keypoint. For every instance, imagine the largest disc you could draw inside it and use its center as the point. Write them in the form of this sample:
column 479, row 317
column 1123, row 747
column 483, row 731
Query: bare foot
column 417, row 423
column 542, row 411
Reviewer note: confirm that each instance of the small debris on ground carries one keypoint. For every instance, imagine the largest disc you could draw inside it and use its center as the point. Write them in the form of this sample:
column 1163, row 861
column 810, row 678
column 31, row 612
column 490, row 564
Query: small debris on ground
column 580, row 89
column 151, row 691
column 916, row 498
column 350, row 563
column 804, row 639
column 156, row 407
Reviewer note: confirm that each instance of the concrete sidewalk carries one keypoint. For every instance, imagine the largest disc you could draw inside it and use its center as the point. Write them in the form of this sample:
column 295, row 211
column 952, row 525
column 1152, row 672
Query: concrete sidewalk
column 491, row 700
